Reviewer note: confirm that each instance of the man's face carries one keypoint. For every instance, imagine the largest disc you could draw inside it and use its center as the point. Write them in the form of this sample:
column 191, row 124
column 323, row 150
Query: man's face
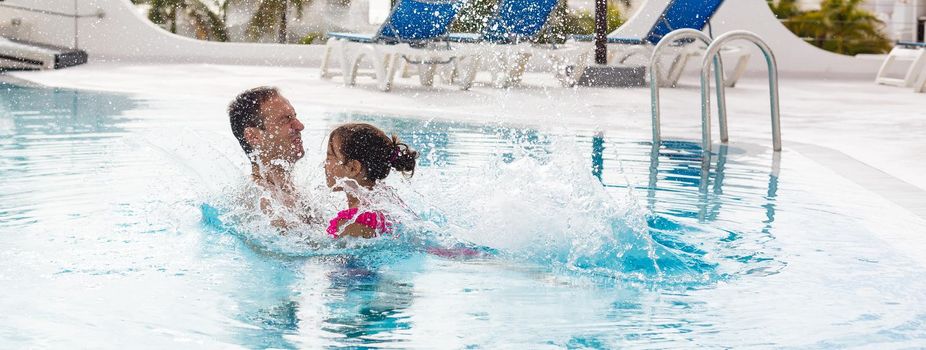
column 281, row 137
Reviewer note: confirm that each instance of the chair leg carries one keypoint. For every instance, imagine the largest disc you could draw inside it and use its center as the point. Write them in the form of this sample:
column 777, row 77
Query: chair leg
column 469, row 74
column 350, row 76
column 405, row 70
column 632, row 51
column 380, row 67
column 675, row 70
column 349, row 65
column 741, row 64
column 426, row 74
column 916, row 68
column 390, row 66
column 450, row 72
column 580, row 62
column 558, row 64
column 882, row 72
column 517, row 69
column 919, row 86
column 326, row 58
column 497, row 68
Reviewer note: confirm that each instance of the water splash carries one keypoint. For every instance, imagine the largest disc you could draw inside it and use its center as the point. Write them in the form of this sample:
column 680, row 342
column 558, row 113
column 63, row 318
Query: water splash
column 538, row 203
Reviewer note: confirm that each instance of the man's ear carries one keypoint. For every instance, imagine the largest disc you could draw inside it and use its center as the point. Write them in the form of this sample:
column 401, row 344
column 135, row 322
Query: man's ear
column 252, row 136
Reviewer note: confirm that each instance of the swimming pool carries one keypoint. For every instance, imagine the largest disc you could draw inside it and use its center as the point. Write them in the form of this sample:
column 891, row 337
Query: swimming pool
column 597, row 241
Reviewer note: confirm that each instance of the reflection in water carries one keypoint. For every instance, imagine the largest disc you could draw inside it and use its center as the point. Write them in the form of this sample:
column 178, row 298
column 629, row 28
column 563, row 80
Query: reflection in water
column 61, row 112
column 674, row 171
column 680, row 171
column 270, row 326
column 334, row 298
column 598, row 155
column 366, row 306
column 53, row 134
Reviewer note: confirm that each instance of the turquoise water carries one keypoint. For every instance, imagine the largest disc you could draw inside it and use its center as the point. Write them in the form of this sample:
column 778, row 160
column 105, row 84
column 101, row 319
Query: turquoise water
column 114, row 228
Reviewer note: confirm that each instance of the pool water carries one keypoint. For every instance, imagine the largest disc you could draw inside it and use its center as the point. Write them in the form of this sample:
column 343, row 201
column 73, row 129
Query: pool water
column 114, row 232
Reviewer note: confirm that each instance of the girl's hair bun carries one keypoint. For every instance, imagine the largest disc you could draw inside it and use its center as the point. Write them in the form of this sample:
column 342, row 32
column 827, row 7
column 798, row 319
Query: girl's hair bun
column 403, row 158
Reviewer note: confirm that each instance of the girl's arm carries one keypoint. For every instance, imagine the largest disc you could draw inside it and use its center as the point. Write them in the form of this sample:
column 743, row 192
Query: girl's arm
column 359, row 230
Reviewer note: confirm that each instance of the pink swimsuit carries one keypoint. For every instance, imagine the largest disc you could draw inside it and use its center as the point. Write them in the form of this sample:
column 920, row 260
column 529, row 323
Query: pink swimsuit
column 376, row 221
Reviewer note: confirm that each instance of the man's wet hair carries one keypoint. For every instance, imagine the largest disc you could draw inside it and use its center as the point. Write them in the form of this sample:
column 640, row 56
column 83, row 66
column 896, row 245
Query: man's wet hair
column 244, row 112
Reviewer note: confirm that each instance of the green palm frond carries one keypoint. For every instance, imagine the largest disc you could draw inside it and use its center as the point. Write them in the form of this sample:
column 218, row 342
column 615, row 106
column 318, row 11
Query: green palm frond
column 473, row 16
column 206, row 23
column 840, row 26
column 267, row 16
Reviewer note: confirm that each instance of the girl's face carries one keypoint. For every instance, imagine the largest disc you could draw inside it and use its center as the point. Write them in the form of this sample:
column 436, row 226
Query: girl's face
column 336, row 166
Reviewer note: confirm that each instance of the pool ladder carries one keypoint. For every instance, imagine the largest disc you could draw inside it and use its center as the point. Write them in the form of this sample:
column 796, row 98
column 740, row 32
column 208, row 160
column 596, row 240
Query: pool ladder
column 712, row 55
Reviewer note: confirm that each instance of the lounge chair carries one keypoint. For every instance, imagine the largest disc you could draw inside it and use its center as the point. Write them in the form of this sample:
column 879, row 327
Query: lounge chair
column 509, row 40
column 912, row 52
column 657, row 18
column 414, row 28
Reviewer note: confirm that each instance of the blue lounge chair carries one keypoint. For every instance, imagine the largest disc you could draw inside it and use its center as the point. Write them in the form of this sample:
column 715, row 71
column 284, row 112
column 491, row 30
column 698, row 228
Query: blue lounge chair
column 509, row 40
column 660, row 17
column 656, row 19
column 905, row 51
column 414, row 28
column 514, row 22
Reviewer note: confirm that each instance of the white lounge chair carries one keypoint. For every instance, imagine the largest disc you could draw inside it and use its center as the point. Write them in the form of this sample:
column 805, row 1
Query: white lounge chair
column 657, row 18
column 414, row 31
column 912, row 52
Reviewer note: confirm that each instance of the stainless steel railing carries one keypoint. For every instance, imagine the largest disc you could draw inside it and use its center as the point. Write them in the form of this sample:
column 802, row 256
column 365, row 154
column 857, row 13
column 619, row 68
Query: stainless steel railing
column 712, row 56
column 666, row 41
column 712, row 52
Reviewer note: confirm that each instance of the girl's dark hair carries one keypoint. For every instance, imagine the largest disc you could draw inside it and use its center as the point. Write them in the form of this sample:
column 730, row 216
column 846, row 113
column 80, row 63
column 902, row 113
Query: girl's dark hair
column 376, row 152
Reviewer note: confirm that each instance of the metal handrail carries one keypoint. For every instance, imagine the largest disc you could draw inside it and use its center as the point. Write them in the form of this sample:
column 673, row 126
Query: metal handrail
column 669, row 39
column 714, row 50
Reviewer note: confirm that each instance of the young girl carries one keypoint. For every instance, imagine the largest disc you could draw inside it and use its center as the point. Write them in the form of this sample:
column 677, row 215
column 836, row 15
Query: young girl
column 359, row 156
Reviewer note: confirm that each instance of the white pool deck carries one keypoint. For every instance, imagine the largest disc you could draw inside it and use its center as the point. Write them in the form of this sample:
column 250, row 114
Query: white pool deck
column 871, row 134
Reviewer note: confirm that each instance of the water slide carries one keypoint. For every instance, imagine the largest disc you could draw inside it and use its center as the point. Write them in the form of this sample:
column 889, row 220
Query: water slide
column 115, row 30
column 123, row 33
column 795, row 56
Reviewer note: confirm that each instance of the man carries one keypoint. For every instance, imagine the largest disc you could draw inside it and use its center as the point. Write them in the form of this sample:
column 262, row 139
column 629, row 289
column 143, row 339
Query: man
column 266, row 126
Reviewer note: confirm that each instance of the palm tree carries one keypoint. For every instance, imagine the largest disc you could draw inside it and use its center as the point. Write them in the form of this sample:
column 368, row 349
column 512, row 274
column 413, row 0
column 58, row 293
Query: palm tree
column 206, row 22
column 272, row 13
column 842, row 27
column 473, row 16
column 784, row 9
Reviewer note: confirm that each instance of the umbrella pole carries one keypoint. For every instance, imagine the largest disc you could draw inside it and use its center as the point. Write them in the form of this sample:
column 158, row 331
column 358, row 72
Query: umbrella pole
column 601, row 32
